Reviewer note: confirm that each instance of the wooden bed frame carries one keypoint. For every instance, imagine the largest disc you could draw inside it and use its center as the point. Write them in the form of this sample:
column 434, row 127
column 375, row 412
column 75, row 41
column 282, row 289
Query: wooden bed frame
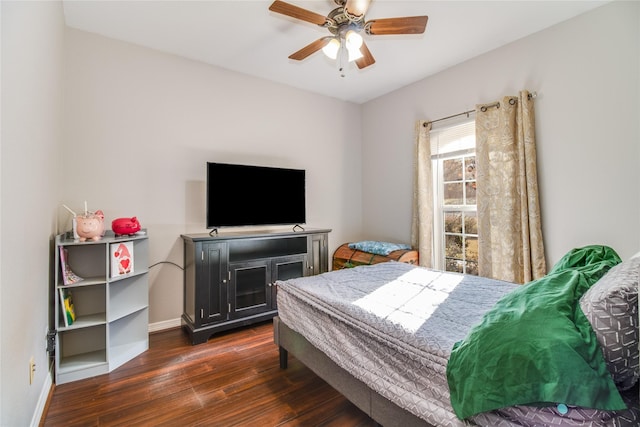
column 381, row 409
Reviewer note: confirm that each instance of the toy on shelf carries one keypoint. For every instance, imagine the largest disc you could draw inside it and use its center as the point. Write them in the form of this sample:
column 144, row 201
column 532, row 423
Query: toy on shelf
column 88, row 226
column 128, row 226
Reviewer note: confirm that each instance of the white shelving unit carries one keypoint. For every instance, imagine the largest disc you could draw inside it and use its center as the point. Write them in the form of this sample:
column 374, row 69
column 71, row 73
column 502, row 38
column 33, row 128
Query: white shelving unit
column 112, row 313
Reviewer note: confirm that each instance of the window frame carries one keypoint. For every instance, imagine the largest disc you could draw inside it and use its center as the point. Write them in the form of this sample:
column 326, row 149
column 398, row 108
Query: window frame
column 439, row 234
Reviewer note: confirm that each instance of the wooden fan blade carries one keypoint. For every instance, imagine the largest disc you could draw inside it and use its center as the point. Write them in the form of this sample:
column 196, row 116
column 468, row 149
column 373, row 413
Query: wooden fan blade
column 297, row 12
column 367, row 58
column 310, row 48
column 406, row 25
column 357, row 7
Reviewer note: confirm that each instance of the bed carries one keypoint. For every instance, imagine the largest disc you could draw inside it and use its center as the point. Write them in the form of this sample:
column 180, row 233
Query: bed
column 414, row 346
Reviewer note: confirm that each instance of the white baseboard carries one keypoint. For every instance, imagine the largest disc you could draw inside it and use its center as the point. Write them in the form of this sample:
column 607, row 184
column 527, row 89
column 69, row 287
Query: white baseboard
column 42, row 400
column 166, row 324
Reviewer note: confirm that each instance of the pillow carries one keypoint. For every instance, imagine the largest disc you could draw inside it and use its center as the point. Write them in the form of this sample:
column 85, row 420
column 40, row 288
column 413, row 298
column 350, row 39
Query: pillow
column 611, row 306
column 378, row 248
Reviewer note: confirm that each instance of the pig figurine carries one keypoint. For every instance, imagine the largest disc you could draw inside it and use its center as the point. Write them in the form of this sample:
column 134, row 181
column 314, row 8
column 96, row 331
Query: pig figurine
column 90, row 226
column 122, row 226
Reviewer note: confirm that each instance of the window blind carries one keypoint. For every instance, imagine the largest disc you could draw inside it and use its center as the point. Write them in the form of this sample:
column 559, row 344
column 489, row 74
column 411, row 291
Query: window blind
column 453, row 138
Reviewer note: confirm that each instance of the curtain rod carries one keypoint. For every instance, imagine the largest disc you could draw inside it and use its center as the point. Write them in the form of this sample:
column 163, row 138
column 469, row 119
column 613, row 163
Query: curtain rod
column 483, row 109
column 425, row 124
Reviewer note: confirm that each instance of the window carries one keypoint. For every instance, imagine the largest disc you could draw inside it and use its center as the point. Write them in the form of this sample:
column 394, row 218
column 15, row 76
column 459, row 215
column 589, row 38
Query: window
column 455, row 218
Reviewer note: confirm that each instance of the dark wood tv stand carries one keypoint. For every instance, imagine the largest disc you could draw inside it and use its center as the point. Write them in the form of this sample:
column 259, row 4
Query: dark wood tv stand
column 229, row 277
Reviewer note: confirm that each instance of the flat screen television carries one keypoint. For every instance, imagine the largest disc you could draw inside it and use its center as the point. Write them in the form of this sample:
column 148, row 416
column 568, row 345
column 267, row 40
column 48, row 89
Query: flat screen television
column 243, row 195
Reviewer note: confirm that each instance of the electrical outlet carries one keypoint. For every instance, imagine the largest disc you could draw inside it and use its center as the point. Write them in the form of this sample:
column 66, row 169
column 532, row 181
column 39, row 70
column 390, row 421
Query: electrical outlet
column 32, row 370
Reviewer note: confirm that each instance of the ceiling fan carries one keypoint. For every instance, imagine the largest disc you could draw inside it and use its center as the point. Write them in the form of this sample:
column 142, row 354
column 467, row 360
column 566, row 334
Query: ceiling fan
column 346, row 23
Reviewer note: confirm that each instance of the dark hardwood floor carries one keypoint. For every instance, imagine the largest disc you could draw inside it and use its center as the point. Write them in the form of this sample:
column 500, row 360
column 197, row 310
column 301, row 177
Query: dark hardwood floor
column 232, row 380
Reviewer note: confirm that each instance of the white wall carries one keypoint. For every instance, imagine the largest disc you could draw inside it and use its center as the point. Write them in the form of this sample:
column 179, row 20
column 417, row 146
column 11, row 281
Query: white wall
column 140, row 126
column 587, row 76
column 32, row 43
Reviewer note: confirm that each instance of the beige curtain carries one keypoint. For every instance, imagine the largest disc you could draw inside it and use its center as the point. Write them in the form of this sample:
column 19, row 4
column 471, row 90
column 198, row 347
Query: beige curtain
column 422, row 218
column 509, row 227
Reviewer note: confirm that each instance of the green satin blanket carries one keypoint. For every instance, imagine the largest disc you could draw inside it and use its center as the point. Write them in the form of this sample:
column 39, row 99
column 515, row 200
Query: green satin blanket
column 536, row 346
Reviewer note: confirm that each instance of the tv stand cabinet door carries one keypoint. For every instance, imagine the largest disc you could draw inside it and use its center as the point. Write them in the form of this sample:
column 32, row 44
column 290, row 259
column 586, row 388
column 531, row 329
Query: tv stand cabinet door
column 318, row 254
column 212, row 284
column 249, row 290
column 284, row 268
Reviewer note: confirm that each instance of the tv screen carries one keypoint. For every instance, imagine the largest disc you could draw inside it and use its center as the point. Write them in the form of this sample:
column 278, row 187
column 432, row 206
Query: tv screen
column 241, row 195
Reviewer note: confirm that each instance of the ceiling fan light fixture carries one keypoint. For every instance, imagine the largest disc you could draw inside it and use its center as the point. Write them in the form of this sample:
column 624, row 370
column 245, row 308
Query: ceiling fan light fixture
column 331, row 49
column 355, row 9
column 347, row 24
column 353, row 40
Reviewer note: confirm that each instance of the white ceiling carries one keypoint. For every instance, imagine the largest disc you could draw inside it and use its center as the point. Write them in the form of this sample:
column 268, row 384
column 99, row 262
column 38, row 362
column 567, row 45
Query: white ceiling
column 245, row 36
